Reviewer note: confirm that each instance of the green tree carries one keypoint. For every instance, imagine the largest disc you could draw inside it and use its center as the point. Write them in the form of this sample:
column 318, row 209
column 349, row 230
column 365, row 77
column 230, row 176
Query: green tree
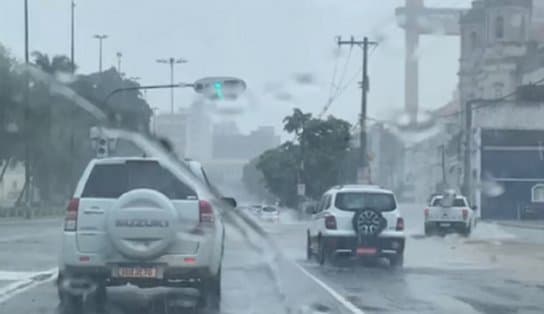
column 295, row 122
column 54, row 126
column 279, row 168
column 254, row 182
column 321, row 146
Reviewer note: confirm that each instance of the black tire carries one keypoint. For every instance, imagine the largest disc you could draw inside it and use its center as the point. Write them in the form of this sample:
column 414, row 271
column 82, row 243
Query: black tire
column 322, row 252
column 396, row 261
column 210, row 293
column 428, row 231
column 368, row 223
column 467, row 231
column 308, row 246
column 70, row 304
column 101, row 297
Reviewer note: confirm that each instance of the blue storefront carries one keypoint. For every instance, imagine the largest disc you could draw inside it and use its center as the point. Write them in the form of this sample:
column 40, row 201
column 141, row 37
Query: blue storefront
column 514, row 160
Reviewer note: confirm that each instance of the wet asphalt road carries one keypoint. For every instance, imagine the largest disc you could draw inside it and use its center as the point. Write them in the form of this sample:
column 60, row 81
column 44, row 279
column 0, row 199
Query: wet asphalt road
column 496, row 270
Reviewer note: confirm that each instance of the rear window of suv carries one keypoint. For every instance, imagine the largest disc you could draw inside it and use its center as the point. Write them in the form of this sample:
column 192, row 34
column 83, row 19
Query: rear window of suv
column 353, row 201
column 458, row 202
column 112, row 180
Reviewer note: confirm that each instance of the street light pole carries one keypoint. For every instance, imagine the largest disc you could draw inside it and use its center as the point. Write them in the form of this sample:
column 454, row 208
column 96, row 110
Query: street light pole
column 119, row 57
column 100, row 38
column 172, row 61
column 26, row 113
column 72, row 45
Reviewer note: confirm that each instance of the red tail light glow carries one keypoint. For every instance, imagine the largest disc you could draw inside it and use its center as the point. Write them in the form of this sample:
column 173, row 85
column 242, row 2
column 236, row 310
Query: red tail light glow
column 70, row 220
column 465, row 213
column 330, row 222
column 400, row 224
column 206, row 212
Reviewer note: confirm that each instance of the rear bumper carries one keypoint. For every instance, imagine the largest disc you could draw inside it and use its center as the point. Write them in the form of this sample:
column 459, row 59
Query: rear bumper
column 171, row 276
column 385, row 246
column 446, row 225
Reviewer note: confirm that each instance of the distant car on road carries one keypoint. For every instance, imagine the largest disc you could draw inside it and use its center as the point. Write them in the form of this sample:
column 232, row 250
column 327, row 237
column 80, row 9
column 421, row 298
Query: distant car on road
column 449, row 212
column 357, row 221
column 270, row 213
column 257, row 208
column 125, row 225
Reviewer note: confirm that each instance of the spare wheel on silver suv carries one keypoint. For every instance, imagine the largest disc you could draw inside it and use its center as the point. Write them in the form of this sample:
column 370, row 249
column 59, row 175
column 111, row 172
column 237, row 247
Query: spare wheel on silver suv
column 141, row 224
column 368, row 223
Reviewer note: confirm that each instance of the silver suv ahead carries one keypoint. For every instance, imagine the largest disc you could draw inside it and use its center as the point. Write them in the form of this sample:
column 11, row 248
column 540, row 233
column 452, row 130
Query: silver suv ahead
column 358, row 221
column 131, row 220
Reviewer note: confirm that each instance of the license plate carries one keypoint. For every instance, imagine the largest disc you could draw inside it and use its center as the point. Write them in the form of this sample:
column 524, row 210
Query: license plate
column 138, row 272
column 445, row 224
column 366, row 251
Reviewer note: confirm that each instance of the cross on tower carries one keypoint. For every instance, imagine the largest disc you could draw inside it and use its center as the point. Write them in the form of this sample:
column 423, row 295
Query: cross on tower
column 416, row 20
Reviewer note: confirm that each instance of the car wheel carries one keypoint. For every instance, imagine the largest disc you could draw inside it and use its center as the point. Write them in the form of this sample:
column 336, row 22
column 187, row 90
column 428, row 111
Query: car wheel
column 70, row 303
column 322, row 253
column 210, row 293
column 101, row 297
column 397, row 261
column 467, row 231
column 308, row 246
column 427, row 230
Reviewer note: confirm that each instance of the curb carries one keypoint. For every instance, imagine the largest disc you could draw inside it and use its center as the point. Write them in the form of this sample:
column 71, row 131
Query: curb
column 521, row 225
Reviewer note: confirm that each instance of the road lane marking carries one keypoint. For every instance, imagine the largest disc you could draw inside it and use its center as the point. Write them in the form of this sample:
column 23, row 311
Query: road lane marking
column 20, row 286
column 342, row 300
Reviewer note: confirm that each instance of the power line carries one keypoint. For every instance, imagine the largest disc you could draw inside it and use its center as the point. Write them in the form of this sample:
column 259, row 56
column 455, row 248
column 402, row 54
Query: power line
column 340, row 90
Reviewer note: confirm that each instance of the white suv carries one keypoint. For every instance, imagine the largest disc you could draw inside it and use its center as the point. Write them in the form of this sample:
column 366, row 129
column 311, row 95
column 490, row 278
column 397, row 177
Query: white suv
column 132, row 221
column 357, row 221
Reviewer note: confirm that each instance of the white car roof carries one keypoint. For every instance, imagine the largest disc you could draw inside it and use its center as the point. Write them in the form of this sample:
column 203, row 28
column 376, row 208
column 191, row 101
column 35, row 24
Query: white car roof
column 360, row 188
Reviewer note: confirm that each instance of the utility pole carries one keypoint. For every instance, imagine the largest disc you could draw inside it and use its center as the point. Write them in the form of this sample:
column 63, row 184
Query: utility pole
column 72, row 45
column 119, row 57
column 172, row 61
column 442, row 150
column 100, row 38
column 26, row 114
column 363, row 173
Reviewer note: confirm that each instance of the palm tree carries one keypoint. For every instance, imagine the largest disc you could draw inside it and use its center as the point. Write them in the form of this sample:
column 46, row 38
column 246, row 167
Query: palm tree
column 295, row 122
column 58, row 63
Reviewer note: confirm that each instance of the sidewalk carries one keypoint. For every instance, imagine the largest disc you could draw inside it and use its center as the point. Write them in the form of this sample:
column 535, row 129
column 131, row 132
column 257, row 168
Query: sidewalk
column 525, row 224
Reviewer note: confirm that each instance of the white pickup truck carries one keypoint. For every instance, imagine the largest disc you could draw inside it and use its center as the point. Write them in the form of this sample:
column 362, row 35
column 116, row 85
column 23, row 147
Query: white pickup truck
column 449, row 213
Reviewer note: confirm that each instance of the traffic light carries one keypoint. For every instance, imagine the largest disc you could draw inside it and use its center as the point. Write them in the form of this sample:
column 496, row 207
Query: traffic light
column 218, row 90
column 102, row 149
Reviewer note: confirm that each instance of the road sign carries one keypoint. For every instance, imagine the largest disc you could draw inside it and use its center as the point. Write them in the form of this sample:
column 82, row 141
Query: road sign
column 301, row 189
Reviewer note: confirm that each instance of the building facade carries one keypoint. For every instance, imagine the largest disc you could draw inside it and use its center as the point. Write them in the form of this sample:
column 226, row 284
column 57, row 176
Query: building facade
column 173, row 126
column 500, row 51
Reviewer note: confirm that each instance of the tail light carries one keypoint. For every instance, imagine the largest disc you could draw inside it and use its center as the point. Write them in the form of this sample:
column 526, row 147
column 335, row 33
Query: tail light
column 426, row 212
column 330, row 222
column 465, row 213
column 400, row 224
column 206, row 212
column 70, row 220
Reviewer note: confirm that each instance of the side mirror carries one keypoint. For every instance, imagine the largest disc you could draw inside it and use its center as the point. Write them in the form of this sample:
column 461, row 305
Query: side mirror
column 230, row 200
column 474, row 207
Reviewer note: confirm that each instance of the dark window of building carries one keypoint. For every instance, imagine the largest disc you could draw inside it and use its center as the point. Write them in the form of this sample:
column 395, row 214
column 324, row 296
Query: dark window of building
column 499, row 27
column 473, row 40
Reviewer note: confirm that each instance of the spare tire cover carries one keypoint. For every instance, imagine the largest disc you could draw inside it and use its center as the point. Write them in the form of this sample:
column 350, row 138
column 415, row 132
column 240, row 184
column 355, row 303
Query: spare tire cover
column 368, row 223
column 141, row 224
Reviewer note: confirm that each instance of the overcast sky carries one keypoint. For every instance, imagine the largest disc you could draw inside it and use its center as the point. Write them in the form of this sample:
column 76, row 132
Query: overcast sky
column 263, row 42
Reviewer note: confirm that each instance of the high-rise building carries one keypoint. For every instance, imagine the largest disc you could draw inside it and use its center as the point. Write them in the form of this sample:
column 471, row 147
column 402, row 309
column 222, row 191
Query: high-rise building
column 173, row 126
column 199, row 133
column 228, row 143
